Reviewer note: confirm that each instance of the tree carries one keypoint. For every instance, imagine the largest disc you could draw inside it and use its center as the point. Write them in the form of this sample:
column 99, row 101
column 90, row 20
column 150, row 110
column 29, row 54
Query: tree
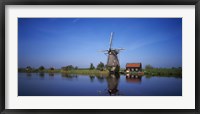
column 92, row 66
column 108, row 67
column 69, row 67
column 41, row 68
column 28, row 69
column 76, row 68
column 148, row 66
column 117, row 69
column 100, row 66
column 52, row 68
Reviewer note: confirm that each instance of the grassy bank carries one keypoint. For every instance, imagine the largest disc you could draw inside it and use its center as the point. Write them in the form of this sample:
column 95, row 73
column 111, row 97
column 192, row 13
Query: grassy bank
column 78, row 71
column 163, row 72
column 87, row 72
column 148, row 72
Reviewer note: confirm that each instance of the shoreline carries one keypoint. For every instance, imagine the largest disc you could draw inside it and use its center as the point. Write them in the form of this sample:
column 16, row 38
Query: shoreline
column 152, row 72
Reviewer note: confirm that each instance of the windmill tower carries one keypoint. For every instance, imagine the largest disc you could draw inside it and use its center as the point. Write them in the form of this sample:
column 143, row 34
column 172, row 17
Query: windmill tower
column 112, row 61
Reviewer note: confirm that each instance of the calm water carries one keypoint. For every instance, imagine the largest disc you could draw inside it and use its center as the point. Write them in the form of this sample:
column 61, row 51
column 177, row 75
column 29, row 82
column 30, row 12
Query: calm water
column 37, row 84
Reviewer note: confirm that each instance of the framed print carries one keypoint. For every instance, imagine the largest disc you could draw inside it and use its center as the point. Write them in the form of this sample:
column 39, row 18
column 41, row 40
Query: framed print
column 103, row 56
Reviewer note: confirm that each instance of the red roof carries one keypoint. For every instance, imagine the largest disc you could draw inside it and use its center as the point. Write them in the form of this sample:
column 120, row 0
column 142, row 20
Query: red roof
column 133, row 65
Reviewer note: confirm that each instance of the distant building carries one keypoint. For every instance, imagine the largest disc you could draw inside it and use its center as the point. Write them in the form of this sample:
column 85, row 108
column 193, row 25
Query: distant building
column 133, row 67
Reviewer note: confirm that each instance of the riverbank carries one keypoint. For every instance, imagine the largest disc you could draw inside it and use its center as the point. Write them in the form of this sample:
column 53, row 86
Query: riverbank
column 157, row 72
column 87, row 72
column 78, row 71
column 148, row 72
column 163, row 72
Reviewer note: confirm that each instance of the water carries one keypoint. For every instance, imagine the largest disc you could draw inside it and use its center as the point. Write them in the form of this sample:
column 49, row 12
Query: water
column 44, row 84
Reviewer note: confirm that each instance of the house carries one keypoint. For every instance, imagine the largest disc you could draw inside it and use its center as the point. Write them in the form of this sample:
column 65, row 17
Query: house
column 133, row 67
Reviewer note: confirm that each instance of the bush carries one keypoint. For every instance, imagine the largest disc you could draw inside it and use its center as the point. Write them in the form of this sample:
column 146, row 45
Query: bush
column 148, row 66
column 92, row 66
column 100, row 66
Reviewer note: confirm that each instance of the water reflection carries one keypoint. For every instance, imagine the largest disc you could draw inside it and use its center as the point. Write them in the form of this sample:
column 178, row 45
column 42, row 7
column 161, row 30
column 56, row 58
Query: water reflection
column 133, row 78
column 69, row 76
column 101, row 79
column 41, row 74
column 57, row 84
column 167, row 76
column 92, row 78
column 28, row 74
column 113, row 81
column 51, row 74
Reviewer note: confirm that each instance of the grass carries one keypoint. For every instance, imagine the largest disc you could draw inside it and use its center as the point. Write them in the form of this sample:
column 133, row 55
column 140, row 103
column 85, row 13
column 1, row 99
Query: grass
column 87, row 72
column 163, row 72
column 79, row 71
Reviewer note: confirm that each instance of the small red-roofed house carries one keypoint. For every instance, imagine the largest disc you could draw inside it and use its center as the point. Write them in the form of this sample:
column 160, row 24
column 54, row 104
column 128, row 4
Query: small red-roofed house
column 133, row 67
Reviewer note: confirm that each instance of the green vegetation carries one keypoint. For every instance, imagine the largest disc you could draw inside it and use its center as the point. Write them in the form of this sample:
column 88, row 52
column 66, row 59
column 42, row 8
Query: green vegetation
column 100, row 66
column 101, row 69
column 41, row 69
column 92, row 66
column 87, row 72
column 147, row 67
column 117, row 69
column 163, row 71
column 69, row 70
column 150, row 70
column 69, row 67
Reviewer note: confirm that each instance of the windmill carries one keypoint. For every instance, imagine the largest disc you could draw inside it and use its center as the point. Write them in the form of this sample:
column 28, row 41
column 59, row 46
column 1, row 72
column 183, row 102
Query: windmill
column 112, row 61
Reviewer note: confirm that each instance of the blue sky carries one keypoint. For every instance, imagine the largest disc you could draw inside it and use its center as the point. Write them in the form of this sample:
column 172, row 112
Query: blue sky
column 75, row 41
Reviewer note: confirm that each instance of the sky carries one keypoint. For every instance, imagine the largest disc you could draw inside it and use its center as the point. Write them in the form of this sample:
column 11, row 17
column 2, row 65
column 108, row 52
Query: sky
column 58, row 42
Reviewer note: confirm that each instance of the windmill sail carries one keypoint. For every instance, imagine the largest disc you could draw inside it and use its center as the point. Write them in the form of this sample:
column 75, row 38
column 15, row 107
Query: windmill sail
column 111, row 36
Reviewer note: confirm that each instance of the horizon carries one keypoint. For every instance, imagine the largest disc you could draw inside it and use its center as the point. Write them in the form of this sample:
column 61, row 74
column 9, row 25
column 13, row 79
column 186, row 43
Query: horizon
column 59, row 42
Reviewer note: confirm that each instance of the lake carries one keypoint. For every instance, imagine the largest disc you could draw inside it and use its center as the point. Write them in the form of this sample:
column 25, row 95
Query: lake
column 57, row 84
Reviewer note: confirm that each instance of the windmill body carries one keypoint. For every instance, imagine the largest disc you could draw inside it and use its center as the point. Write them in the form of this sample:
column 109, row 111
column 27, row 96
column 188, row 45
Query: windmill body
column 113, row 61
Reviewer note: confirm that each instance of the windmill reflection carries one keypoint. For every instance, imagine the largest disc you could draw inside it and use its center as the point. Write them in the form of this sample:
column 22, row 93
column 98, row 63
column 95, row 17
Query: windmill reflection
column 133, row 78
column 113, row 81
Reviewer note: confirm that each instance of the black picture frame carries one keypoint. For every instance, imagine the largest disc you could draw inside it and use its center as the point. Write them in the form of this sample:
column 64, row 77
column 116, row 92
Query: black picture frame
column 98, row 2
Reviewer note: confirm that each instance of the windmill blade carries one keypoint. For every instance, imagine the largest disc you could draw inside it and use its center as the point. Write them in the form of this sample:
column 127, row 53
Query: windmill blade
column 111, row 37
column 106, row 54
column 120, row 49
column 103, row 51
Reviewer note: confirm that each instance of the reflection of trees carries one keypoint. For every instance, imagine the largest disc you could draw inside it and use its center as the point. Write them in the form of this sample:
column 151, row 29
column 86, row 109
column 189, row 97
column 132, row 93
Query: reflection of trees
column 149, row 76
column 92, row 78
column 51, row 74
column 69, row 76
column 100, row 78
column 41, row 74
column 113, row 80
column 133, row 78
column 28, row 74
